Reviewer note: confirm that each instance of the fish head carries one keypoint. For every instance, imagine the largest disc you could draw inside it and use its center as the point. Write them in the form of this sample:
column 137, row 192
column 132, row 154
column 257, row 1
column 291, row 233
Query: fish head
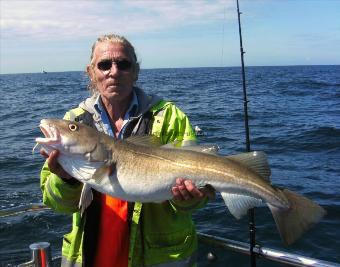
column 72, row 138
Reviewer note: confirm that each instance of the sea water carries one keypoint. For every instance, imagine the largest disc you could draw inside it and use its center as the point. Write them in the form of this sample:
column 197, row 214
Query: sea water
column 294, row 116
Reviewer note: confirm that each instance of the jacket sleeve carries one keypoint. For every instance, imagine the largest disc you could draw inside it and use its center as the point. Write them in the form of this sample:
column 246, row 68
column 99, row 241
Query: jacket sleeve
column 58, row 194
column 172, row 125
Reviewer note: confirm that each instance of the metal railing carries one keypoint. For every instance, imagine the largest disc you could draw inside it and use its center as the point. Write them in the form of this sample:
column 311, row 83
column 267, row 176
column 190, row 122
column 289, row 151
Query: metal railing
column 41, row 253
column 267, row 253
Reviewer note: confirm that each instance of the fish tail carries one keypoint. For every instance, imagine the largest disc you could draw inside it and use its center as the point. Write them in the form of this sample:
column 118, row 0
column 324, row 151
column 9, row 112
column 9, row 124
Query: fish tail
column 298, row 218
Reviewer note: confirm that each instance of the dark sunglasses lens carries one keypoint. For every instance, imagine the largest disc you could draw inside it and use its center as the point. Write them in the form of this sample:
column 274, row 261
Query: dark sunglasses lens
column 104, row 65
column 123, row 64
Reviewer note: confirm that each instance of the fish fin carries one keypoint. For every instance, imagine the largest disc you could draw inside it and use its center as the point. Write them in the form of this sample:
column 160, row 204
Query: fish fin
column 86, row 198
column 301, row 215
column 256, row 160
column 145, row 140
column 103, row 173
column 238, row 205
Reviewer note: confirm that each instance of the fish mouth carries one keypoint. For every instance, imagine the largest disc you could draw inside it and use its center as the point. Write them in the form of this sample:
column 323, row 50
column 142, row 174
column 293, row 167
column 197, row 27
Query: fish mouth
column 51, row 133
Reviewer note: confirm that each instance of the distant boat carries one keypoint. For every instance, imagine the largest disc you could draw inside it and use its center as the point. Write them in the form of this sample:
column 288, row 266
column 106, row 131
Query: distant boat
column 44, row 71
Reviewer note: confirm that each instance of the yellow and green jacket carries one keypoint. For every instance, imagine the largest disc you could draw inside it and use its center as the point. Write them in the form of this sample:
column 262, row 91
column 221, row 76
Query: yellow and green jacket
column 161, row 234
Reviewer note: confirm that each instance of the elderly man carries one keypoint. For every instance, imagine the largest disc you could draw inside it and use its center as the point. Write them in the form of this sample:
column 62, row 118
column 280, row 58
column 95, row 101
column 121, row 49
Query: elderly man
column 113, row 232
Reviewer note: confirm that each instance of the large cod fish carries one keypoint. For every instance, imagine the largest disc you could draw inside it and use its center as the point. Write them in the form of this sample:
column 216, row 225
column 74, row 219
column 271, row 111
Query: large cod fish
column 135, row 172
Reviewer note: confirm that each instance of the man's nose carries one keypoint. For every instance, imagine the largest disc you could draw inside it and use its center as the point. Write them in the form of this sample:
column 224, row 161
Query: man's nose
column 114, row 69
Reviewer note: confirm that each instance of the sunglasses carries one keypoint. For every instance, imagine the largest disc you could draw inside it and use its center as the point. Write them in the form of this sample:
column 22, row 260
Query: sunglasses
column 120, row 64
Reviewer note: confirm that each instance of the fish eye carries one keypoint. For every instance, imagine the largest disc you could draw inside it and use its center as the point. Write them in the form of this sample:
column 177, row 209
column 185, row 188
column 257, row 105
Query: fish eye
column 73, row 127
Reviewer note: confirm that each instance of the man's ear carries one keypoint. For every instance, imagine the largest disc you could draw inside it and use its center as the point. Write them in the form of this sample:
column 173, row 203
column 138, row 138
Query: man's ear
column 89, row 71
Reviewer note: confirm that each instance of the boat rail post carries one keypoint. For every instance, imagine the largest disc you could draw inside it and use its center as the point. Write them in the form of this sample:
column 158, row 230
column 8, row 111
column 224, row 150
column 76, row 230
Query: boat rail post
column 41, row 255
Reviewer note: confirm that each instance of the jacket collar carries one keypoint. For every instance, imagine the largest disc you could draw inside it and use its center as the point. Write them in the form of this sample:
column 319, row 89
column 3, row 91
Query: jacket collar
column 145, row 103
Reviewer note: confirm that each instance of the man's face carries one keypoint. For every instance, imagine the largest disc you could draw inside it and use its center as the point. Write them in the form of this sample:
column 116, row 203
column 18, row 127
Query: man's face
column 112, row 71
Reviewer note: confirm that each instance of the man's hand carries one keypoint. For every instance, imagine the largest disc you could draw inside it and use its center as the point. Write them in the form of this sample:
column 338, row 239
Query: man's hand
column 53, row 164
column 185, row 189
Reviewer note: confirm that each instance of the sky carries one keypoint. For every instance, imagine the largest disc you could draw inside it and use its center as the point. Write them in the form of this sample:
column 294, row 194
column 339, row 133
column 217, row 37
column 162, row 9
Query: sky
column 57, row 35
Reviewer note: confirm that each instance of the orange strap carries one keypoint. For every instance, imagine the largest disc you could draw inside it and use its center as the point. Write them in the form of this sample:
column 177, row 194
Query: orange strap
column 113, row 239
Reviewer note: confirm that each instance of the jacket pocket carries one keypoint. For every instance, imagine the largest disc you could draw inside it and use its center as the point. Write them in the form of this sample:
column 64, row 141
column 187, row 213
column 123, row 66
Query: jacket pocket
column 170, row 242
column 169, row 247
column 66, row 244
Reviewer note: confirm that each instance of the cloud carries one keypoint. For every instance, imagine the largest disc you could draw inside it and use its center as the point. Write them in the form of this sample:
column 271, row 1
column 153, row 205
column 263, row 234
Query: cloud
column 83, row 18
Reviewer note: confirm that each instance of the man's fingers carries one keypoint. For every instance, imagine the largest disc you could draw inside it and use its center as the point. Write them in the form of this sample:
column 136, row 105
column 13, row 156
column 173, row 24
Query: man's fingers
column 192, row 189
column 186, row 190
column 54, row 154
column 43, row 153
column 176, row 193
column 179, row 181
column 52, row 160
column 179, row 190
column 53, row 164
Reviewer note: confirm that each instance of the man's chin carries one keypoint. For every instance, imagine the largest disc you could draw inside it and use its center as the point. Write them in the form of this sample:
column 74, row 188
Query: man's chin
column 116, row 96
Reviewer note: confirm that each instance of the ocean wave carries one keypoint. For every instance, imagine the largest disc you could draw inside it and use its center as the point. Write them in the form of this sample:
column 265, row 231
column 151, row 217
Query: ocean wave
column 308, row 84
column 316, row 140
column 320, row 139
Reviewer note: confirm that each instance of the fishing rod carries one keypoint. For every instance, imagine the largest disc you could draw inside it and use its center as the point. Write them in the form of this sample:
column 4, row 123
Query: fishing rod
column 251, row 213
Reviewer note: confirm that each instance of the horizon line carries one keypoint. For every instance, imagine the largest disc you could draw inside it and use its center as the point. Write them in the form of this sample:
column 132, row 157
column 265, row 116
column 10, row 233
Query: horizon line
column 160, row 68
